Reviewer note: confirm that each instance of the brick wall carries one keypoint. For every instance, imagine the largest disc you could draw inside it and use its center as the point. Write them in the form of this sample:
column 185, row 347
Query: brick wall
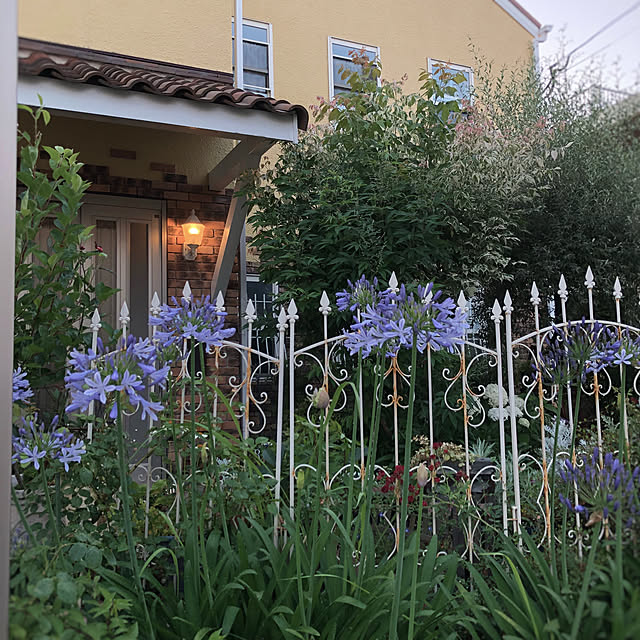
column 211, row 207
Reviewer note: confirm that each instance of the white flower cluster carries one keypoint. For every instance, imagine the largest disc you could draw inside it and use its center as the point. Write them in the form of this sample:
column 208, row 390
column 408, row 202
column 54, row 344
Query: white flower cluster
column 492, row 396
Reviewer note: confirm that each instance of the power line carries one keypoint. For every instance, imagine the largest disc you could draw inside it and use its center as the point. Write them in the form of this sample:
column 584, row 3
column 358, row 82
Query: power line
column 556, row 68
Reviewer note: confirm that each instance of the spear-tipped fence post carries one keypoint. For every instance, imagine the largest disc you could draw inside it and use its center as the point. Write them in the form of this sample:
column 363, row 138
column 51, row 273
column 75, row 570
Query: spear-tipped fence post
column 282, row 327
column 292, row 316
column 508, row 310
column 496, row 316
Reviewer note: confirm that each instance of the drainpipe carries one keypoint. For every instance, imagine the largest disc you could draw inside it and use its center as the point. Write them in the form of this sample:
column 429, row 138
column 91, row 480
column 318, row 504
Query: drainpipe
column 538, row 39
column 239, row 70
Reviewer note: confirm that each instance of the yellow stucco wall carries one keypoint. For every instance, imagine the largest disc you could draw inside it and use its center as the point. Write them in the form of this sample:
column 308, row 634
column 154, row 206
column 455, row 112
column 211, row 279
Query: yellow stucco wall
column 406, row 31
column 190, row 32
column 193, row 155
column 198, row 33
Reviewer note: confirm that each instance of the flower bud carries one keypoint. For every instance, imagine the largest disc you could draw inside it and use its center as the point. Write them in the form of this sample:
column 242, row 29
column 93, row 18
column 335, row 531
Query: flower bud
column 321, row 399
column 423, row 475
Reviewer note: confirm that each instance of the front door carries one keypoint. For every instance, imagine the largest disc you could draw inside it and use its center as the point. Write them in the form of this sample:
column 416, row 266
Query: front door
column 130, row 233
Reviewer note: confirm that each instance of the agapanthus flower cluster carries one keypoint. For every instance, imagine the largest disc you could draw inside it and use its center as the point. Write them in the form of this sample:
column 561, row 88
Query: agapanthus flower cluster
column 127, row 373
column 22, row 391
column 190, row 319
column 602, row 491
column 571, row 352
column 389, row 320
column 37, row 444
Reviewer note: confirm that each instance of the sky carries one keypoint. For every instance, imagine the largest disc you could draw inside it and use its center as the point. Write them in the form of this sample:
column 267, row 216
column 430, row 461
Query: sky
column 617, row 48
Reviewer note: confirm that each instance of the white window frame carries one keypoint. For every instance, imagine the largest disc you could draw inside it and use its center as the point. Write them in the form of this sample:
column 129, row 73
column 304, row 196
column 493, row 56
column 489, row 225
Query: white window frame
column 356, row 46
column 432, row 63
column 269, row 29
column 255, row 277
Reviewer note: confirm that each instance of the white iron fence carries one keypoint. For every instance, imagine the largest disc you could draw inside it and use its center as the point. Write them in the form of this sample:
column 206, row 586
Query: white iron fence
column 270, row 388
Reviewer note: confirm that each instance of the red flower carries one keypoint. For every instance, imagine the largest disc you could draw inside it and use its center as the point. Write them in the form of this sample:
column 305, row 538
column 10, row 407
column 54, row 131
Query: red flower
column 424, row 503
column 437, row 445
column 410, row 499
column 437, row 478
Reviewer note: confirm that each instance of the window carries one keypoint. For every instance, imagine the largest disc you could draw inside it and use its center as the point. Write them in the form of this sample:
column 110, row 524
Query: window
column 263, row 336
column 444, row 72
column 257, row 51
column 341, row 59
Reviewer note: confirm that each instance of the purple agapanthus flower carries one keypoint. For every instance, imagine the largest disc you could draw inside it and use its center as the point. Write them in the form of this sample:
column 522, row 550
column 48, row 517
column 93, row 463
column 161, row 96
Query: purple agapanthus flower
column 22, row 391
column 392, row 319
column 190, row 319
column 36, row 444
column 571, row 352
column 602, row 490
column 127, row 373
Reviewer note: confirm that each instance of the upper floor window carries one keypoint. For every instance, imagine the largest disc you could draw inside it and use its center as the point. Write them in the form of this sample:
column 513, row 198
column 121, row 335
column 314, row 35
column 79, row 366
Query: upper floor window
column 257, row 51
column 341, row 54
column 457, row 76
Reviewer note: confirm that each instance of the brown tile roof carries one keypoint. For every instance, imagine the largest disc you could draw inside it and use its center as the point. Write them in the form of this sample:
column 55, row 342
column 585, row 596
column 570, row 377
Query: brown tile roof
column 88, row 66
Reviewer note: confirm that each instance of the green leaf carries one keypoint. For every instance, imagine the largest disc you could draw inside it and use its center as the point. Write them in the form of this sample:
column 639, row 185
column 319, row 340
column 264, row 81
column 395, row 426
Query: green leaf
column 43, row 588
column 66, row 589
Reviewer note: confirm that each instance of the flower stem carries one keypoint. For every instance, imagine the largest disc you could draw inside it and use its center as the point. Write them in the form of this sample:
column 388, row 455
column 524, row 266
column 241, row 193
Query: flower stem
column 552, row 525
column 395, row 609
column 126, row 515
column 582, row 599
column 414, row 576
column 47, row 497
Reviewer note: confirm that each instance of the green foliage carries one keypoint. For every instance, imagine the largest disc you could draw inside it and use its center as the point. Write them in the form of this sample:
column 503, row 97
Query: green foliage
column 55, row 293
column 394, row 181
column 589, row 207
column 520, row 596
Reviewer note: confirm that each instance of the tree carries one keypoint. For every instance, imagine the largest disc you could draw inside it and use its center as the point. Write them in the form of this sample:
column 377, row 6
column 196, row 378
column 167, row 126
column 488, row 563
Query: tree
column 588, row 212
column 390, row 181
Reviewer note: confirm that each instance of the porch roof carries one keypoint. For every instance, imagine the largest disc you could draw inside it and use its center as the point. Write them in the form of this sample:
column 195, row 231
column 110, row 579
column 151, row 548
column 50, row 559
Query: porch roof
column 115, row 71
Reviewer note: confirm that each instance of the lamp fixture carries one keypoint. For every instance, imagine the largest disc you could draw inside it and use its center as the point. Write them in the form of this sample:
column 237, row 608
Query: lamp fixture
column 193, row 231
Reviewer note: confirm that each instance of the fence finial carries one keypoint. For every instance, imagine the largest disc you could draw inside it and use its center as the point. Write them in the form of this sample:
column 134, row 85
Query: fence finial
column 562, row 288
column 508, row 303
column 393, row 282
column 186, row 292
column 496, row 314
column 250, row 312
column 282, row 320
column 95, row 321
column 292, row 311
column 219, row 302
column 535, row 295
column 325, row 305
column 124, row 313
column 428, row 297
column 589, row 281
column 155, row 304
column 617, row 289
column 462, row 302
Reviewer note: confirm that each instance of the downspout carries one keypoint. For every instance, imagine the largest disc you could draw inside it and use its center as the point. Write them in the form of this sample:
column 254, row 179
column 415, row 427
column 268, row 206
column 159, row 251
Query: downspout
column 538, row 39
column 238, row 32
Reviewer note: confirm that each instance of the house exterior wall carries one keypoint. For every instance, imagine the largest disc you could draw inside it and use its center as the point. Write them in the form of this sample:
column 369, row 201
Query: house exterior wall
column 188, row 32
column 198, row 33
